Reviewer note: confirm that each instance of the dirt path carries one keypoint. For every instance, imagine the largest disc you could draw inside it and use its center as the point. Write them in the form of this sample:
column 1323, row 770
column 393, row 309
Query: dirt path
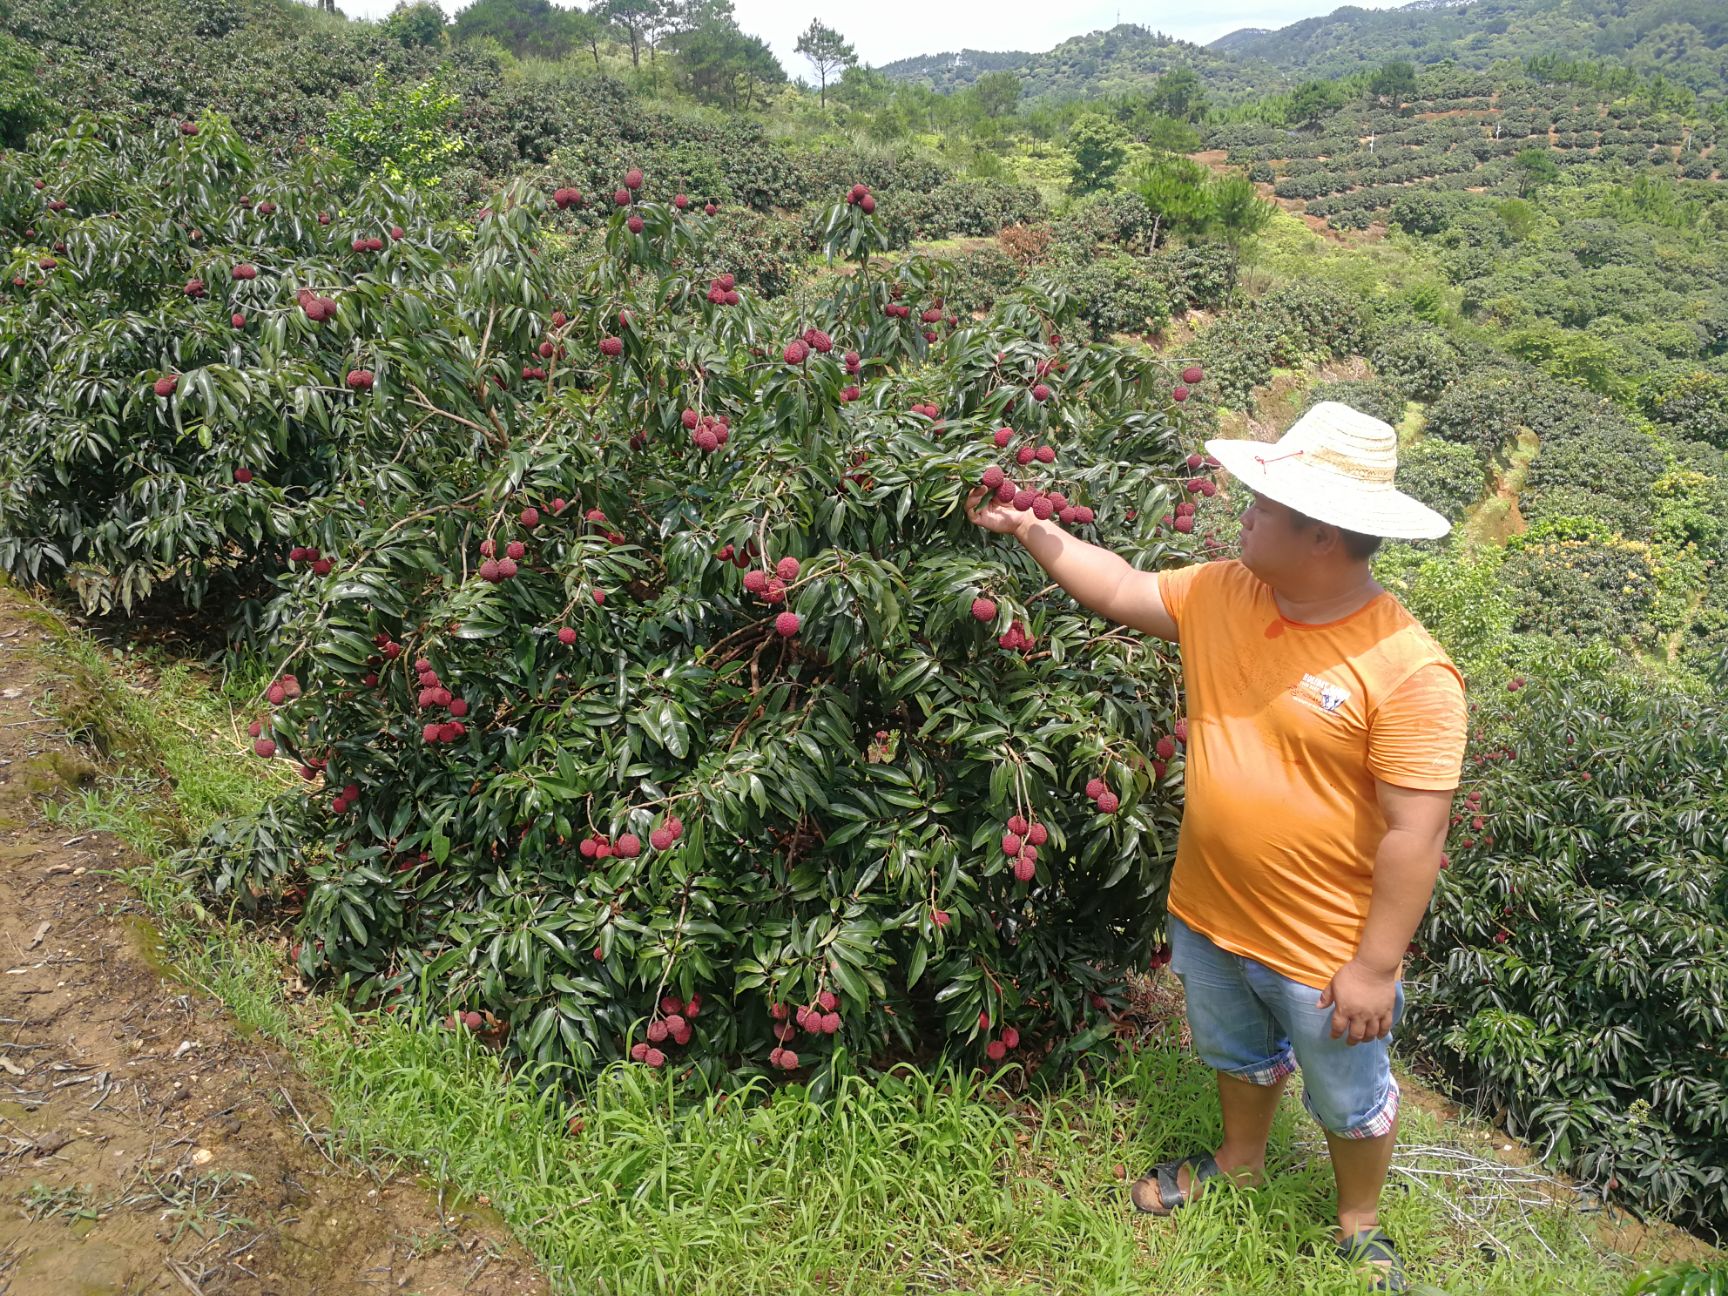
column 146, row 1146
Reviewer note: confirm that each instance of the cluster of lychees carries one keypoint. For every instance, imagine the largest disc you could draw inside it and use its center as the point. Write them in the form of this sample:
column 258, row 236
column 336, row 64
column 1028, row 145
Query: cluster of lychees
column 321, row 565
column 1102, row 796
column 1020, row 843
column 1016, row 495
column 770, row 587
column 629, row 845
column 566, row 198
column 707, row 431
column 435, row 694
column 819, row 1018
column 1478, row 821
column 494, row 569
column 467, row 1020
column 1192, row 375
column 367, row 243
column 723, row 291
column 1008, row 1038
column 859, row 196
column 317, row 308
column 738, row 557
column 673, row 1025
column 1165, row 747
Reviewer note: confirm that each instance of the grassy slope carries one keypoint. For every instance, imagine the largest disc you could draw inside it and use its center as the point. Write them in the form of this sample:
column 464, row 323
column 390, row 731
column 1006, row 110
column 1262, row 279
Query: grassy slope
column 910, row 1184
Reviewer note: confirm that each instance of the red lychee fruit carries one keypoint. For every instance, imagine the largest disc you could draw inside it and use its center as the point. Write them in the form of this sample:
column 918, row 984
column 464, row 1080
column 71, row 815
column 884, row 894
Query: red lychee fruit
column 264, row 747
column 755, row 581
column 530, row 517
column 635, row 224
column 1042, row 507
column 361, row 379
column 1096, row 788
column 787, row 624
column 398, row 233
column 680, row 201
column 629, row 846
column 1037, row 834
column 612, row 346
column 656, row 1058
column 1184, row 524
column 1040, row 393
column 1179, row 394
column 1017, row 824
column 489, row 570
column 1107, row 803
column 1024, row 869
column 850, row 393
column 633, row 178
column 867, row 204
column 1003, row 436
column 984, row 609
column 1193, row 374
column 639, row 1051
column 1046, row 454
column 167, row 384
column 796, row 352
column 1010, row 843
column 1023, row 498
column 830, row 1023
column 787, row 569
column 940, row 917
column 600, row 596
column 1025, row 455
column 708, row 209
column 566, row 636
column 1165, row 747
column 995, row 1050
column 993, row 477
column 242, row 475
column 515, row 549
column 238, row 320
column 506, row 568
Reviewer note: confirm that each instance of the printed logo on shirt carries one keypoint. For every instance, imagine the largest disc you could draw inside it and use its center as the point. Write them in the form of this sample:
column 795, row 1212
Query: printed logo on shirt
column 1316, row 692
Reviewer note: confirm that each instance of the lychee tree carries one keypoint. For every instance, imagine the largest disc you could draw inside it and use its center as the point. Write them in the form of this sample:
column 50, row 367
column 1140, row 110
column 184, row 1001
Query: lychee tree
column 654, row 695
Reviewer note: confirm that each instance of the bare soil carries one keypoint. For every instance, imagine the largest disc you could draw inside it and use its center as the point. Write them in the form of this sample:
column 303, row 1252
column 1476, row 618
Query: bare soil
column 147, row 1145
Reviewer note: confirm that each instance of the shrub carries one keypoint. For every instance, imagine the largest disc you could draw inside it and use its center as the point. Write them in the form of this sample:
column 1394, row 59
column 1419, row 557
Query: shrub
column 1199, row 274
column 1118, row 293
column 979, row 279
column 1567, row 578
column 1482, row 411
column 124, row 492
column 1372, row 396
column 1116, row 219
column 1448, row 478
column 1570, row 968
column 1420, row 362
column 840, row 748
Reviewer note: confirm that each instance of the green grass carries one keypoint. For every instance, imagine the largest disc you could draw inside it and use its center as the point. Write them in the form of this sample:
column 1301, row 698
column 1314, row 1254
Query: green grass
column 902, row 1184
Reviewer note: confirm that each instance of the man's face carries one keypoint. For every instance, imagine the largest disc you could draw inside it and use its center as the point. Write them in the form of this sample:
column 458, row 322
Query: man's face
column 1273, row 543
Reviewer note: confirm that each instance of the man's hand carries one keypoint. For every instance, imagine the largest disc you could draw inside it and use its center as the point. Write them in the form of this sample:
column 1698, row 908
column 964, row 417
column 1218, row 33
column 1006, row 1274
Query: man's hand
column 994, row 516
column 1362, row 1002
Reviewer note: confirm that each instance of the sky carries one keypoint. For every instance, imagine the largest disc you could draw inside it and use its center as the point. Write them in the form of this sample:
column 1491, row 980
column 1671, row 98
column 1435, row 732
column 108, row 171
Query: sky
column 884, row 30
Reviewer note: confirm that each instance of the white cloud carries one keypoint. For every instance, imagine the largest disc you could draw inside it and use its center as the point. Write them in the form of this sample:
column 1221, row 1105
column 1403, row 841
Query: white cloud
column 884, row 30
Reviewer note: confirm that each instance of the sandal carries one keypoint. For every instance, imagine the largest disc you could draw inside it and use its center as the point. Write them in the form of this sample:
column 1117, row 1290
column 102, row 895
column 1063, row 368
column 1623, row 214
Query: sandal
column 1201, row 1167
column 1372, row 1244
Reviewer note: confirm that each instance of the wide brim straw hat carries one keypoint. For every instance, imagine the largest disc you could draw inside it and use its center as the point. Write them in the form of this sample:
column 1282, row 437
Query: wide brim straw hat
column 1335, row 465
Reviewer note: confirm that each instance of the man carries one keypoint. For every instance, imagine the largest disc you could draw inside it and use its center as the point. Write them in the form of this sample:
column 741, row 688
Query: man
column 1326, row 734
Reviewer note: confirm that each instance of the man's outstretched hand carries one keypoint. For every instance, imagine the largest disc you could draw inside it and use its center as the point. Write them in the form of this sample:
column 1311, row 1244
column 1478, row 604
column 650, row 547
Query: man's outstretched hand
column 1362, row 1002
column 994, row 515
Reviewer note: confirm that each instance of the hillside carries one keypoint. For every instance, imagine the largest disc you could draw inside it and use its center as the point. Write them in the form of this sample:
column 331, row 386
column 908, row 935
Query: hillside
column 1125, row 58
column 1684, row 40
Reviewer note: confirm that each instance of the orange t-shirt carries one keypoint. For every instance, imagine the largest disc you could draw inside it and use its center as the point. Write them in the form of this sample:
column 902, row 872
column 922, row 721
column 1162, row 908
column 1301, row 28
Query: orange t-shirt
column 1289, row 725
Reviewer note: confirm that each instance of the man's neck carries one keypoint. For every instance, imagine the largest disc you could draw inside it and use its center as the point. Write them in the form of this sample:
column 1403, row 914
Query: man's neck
column 1310, row 606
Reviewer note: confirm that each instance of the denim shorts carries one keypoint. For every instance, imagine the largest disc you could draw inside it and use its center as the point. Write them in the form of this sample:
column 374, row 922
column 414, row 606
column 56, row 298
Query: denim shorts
column 1258, row 1025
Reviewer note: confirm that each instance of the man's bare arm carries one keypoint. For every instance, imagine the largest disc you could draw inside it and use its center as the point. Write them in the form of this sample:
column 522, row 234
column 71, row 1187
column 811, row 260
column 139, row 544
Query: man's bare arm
column 1099, row 580
column 1405, row 868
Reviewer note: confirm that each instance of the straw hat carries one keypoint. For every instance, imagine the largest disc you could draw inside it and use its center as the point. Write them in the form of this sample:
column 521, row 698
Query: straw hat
column 1335, row 465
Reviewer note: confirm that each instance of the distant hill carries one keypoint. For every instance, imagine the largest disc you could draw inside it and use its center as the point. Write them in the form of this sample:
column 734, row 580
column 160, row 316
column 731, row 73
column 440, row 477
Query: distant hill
column 1685, row 40
column 1125, row 58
